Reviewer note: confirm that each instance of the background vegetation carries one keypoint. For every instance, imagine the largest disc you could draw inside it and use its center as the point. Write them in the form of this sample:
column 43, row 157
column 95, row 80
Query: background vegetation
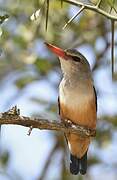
column 29, row 77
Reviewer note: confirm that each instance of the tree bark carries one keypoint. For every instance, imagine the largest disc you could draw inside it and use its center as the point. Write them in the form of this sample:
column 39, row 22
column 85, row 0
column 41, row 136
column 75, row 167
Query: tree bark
column 12, row 116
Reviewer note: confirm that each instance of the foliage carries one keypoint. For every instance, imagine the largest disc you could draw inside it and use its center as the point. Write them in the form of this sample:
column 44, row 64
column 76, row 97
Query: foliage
column 25, row 60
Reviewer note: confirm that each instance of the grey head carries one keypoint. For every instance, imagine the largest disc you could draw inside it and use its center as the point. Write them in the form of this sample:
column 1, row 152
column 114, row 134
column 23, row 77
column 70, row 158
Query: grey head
column 75, row 64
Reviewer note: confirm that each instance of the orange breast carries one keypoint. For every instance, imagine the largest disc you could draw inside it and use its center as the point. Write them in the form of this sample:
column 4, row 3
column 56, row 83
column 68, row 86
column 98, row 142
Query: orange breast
column 84, row 114
column 78, row 107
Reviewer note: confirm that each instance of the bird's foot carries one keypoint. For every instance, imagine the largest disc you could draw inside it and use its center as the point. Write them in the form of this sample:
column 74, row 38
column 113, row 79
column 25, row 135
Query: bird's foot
column 68, row 123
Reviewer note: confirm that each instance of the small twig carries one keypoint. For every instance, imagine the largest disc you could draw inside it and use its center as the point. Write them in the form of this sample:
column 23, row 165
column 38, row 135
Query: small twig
column 14, row 111
column 110, row 10
column 114, row 9
column 112, row 46
column 30, row 130
column 6, row 118
column 47, row 13
column 73, row 17
column 112, row 6
column 98, row 4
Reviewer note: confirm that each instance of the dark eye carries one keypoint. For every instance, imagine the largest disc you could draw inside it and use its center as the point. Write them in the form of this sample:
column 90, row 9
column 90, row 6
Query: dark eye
column 75, row 58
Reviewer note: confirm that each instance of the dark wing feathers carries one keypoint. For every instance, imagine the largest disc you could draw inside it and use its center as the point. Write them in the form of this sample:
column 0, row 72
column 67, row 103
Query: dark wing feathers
column 95, row 97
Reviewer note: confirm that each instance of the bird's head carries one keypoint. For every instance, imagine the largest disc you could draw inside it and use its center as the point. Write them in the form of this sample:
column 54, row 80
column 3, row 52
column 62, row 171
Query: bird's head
column 72, row 61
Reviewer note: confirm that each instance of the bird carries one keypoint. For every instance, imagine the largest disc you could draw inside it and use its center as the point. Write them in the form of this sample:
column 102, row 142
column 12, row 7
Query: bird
column 77, row 103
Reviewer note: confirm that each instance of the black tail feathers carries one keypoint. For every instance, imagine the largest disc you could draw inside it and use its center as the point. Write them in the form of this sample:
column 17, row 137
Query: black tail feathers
column 83, row 164
column 74, row 164
column 78, row 165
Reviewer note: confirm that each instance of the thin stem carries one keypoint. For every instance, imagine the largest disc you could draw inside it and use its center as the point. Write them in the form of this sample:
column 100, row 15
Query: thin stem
column 47, row 13
column 114, row 9
column 112, row 6
column 112, row 46
column 98, row 4
column 73, row 17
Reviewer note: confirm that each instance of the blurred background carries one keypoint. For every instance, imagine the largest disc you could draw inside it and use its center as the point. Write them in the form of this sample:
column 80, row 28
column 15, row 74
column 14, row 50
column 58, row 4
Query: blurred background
column 30, row 76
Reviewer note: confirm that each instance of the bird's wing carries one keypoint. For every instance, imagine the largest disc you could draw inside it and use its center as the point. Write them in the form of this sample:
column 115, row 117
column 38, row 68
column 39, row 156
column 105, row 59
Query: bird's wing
column 95, row 97
column 59, row 114
column 58, row 105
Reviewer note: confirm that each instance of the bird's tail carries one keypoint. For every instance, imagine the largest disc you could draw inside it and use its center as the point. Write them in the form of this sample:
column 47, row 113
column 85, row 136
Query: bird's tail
column 78, row 165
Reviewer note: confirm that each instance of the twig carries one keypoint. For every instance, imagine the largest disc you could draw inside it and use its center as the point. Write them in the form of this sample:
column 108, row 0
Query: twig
column 98, row 4
column 47, row 13
column 30, row 130
column 92, row 8
column 73, row 17
column 40, row 123
column 112, row 47
column 112, row 6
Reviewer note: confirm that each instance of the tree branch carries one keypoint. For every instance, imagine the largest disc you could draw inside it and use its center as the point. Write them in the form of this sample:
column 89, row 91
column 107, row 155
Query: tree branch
column 92, row 8
column 13, row 117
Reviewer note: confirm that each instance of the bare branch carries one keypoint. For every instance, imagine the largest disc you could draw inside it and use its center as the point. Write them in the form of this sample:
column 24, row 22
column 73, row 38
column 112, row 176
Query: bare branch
column 12, row 117
column 92, row 8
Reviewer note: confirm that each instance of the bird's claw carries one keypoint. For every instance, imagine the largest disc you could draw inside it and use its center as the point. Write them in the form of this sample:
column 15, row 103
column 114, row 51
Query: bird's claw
column 67, row 123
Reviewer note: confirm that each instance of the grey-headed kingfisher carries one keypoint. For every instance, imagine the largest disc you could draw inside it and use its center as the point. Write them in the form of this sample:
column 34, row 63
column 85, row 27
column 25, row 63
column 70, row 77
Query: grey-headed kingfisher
column 77, row 103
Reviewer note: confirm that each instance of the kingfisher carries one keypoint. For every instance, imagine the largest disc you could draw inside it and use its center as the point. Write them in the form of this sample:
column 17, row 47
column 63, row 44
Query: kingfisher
column 77, row 103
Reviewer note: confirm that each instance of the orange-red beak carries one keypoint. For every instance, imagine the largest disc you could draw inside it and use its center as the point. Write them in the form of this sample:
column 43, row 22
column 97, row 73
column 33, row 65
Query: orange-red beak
column 58, row 51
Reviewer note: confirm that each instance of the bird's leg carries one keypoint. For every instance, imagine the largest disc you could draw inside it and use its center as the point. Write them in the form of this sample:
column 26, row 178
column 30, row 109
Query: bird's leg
column 68, row 122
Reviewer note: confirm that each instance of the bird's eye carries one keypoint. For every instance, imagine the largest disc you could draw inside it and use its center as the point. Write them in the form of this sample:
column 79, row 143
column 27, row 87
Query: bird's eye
column 75, row 58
